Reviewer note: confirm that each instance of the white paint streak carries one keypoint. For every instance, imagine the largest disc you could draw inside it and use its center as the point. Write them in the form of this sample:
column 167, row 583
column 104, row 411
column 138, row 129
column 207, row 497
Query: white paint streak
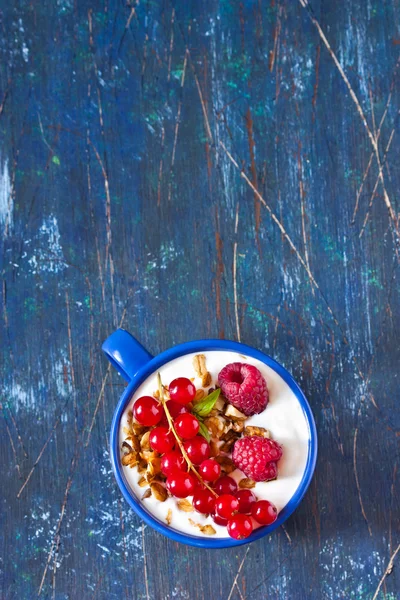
column 348, row 572
column 48, row 255
column 25, row 394
column 167, row 255
column 6, row 201
column 25, row 52
column 104, row 521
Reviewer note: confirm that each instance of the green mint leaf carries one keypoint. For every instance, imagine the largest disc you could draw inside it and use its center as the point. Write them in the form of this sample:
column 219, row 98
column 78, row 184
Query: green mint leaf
column 203, row 408
column 204, row 431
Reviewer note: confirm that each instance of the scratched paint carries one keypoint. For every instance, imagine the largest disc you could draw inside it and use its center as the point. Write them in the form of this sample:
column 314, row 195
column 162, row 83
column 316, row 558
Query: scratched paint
column 47, row 254
column 6, row 201
column 119, row 204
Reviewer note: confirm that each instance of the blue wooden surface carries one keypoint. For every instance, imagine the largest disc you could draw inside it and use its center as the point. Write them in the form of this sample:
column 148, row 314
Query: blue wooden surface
column 124, row 132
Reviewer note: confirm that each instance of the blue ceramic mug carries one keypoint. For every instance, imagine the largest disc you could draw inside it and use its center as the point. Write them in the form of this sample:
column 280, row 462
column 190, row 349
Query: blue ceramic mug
column 136, row 364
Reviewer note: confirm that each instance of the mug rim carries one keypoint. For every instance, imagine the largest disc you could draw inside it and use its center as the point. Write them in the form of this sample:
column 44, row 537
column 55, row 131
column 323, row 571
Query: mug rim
column 152, row 366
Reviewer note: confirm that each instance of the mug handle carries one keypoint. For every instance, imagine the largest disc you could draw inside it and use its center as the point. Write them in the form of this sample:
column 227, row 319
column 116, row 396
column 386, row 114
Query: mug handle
column 125, row 353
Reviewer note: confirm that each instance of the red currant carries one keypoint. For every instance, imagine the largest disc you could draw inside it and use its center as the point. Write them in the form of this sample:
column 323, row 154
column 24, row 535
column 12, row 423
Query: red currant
column 197, row 449
column 186, row 426
column 181, row 484
column 161, row 439
column 172, row 461
column 204, row 502
column 210, row 470
column 226, row 485
column 182, row 390
column 226, row 506
column 246, row 500
column 147, row 411
column 198, row 486
column 240, row 527
column 264, row 512
column 219, row 520
column 174, row 409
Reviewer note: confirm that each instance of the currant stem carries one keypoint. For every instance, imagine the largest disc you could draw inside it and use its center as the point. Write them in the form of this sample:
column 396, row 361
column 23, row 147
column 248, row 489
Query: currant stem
column 181, row 446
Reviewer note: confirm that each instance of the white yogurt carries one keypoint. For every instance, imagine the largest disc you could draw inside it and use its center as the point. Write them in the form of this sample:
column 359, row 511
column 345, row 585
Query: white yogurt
column 283, row 417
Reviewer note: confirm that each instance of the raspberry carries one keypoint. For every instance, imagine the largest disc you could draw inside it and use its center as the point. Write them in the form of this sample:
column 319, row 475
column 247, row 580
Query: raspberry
column 257, row 456
column 245, row 387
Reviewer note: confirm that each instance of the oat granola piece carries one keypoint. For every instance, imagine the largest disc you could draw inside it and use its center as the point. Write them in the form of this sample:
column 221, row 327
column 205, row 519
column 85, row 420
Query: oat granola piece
column 229, row 439
column 199, row 365
column 185, row 505
column 154, row 466
column 137, row 429
column 200, row 393
column 220, row 403
column 234, row 414
column 142, row 482
column 145, row 441
column 206, row 379
column 148, row 455
column 246, row 483
column 216, row 425
column 206, row 529
column 238, row 426
column 159, row 492
column 126, row 448
column 131, row 443
column 147, row 494
column 251, row 430
column 142, row 466
column 214, row 448
column 130, row 459
column 227, row 465
column 168, row 518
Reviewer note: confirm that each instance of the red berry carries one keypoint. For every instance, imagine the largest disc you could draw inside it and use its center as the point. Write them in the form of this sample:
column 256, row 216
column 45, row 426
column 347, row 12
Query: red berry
column 256, row 456
column 198, row 485
column 264, row 512
column 147, row 411
column 226, row 506
column 175, row 409
column 197, row 449
column 186, row 426
column 219, row 520
column 246, row 500
column 240, row 527
column 226, row 485
column 182, row 390
column 161, row 439
column 204, row 502
column 172, row 461
column 210, row 470
column 245, row 387
column 181, row 484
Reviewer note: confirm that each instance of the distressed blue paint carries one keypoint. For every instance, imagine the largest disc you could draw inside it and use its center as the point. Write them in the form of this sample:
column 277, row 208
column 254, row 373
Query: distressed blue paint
column 82, row 97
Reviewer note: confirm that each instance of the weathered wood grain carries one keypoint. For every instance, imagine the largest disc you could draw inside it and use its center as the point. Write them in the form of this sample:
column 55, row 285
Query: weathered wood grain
column 194, row 169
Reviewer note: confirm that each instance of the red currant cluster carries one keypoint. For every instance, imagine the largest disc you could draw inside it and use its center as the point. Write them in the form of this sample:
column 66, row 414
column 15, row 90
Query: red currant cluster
column 212, row 494
column 234, row 509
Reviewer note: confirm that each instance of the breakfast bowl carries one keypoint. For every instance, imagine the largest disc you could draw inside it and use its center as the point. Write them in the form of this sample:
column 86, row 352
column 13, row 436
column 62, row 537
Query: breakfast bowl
column 286, row 423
